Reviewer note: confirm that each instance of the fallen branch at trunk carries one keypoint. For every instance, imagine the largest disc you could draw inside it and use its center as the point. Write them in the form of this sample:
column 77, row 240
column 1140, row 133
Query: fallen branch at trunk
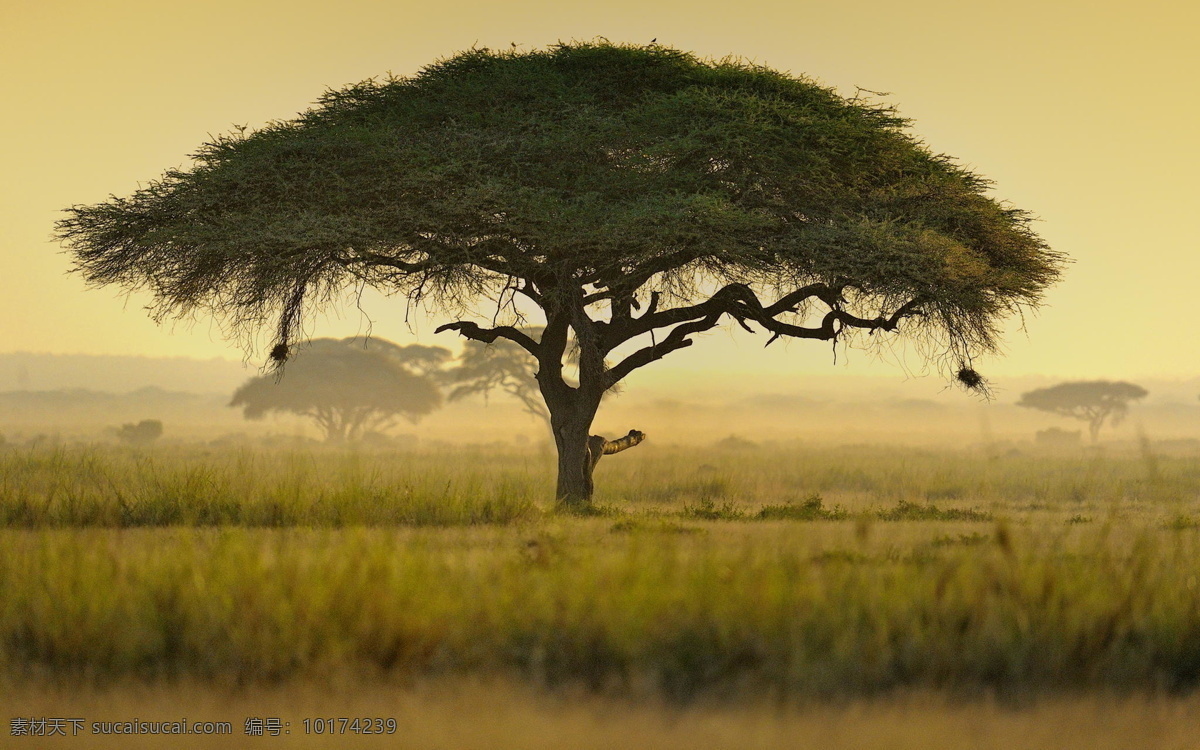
column 599, row 447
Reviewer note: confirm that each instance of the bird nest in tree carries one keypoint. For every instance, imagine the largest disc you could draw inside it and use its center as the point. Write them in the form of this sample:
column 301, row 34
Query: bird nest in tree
column 972, row 379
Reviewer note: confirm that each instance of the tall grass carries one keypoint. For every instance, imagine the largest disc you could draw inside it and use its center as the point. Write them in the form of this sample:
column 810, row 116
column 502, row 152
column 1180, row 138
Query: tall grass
column 181, row 486
column 786, row 572
column 85, row 487
column 675, row 614
column 879, row 475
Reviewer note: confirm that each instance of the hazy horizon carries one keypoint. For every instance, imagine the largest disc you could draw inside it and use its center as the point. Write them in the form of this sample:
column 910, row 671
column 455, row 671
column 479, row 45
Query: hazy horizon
column 84, row 397
column 662, row 376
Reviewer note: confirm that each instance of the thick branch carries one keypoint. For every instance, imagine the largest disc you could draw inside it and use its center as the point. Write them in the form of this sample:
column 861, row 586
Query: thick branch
column 725, row 300
column 470, row 330
column 594, row 297
column 830, row 330
column 740, row 303
column 599, row 447
column 676, row 339
column 623, row 443
column 589, row 338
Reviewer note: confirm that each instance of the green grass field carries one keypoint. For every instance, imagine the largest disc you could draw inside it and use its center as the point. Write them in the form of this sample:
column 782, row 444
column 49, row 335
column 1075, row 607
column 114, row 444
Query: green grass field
column 706, row 577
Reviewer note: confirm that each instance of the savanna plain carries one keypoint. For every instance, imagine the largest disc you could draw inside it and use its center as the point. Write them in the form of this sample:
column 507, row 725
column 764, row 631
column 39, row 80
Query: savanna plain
column 732, row 596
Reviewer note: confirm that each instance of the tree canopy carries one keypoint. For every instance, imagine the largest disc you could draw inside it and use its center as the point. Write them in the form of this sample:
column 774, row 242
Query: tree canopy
column 142, row 433
column 634, row 195
column 348, row 386
column 1091, row 401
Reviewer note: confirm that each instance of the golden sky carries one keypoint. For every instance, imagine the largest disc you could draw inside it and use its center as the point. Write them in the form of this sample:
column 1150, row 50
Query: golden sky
column 1084, row 113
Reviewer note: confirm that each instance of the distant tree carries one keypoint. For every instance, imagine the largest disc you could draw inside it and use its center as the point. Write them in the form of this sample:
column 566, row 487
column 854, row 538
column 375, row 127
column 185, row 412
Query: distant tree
column 1091, row 401
column 501, row 365
column 348, row 387
column 636, row 196
column 142, row 433
column 505, row 366
column 426, row 361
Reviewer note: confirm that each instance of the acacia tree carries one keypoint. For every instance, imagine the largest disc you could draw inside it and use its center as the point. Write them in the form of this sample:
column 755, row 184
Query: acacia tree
column 1092, row 401
column 142, row 433
column 628, row 197
column 348, row 386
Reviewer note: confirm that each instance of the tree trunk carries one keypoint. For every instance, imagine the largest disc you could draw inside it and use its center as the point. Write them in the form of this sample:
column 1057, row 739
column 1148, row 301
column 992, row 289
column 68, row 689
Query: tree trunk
column 572, row 409
column 575, row 486
column 578, row 454
column 571, row 420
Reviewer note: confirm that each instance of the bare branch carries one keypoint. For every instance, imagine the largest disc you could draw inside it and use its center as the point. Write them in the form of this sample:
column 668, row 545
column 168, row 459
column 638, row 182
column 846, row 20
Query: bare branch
column 828, row 329
column 739, row 302
column 470, row 330
column 675, row 340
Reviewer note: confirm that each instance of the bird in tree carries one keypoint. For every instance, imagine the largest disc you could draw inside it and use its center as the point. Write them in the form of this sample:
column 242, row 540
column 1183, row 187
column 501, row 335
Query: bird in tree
column 348, row 387
column 1092, row 401
column 625, row 197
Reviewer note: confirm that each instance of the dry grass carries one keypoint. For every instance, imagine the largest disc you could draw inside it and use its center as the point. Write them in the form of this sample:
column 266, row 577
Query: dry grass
column 791, row 575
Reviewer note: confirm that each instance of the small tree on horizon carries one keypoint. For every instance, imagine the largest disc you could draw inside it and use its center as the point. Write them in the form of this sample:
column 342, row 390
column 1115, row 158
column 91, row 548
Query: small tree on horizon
column 348, row 387
column 144, row 432
column 1093, row 402
column 633, row 197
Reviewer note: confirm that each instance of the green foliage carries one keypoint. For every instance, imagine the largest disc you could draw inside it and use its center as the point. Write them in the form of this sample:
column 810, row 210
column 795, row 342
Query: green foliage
column 1183, row 523
column 690, row 615
column 590, row 510
column 585, row 163
column 812, row 509
column 972, row 539
column 707, row 509
column 908, row 511
column 841, row 556
column 349, row 387
column 73, row 486
column 705, row 489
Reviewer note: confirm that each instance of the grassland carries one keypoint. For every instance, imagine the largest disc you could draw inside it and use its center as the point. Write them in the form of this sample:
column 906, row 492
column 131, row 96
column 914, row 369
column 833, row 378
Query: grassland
column 773, row 577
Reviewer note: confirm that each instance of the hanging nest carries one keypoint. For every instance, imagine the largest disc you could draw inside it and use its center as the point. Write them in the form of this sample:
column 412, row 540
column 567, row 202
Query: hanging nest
column 973, row 381
column 966, row 376
column 279, row 353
